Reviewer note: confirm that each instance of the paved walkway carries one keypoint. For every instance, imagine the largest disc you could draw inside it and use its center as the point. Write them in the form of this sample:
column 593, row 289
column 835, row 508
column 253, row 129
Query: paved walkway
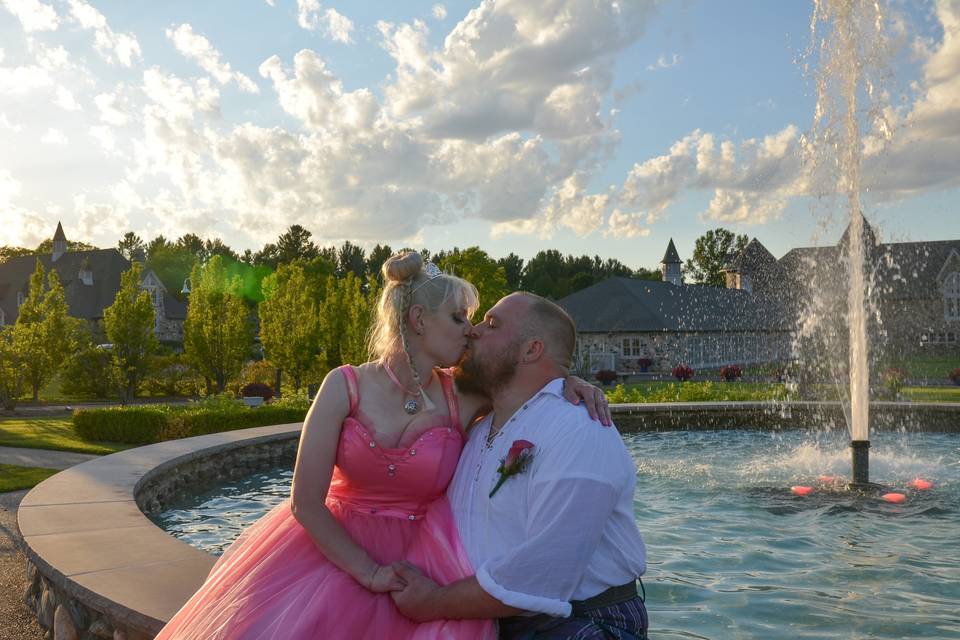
column 42, row 458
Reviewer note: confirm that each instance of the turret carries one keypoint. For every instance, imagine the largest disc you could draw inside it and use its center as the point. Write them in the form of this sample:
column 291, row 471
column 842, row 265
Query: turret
column 670, row 266
column 59, row 243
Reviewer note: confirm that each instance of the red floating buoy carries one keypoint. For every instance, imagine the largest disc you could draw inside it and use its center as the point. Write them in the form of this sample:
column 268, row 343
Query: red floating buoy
column 896, row 498
column 828, row 479
column 920, row 484
column 801, row 491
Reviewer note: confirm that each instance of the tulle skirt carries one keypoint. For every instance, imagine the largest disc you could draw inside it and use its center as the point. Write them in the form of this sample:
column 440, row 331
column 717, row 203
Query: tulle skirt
column 274, row 584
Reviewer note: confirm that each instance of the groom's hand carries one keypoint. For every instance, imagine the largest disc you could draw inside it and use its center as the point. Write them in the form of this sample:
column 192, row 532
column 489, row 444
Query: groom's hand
column 418, row 599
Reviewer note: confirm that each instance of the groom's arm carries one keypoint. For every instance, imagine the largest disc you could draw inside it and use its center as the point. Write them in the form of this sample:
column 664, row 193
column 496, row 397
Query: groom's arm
column 423, row 599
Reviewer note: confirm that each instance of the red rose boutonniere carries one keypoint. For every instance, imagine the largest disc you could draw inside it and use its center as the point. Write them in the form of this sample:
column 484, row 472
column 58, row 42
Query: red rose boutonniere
column 516, row 462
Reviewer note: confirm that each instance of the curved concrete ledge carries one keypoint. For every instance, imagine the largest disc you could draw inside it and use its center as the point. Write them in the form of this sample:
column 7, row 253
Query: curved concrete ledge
column 98, row 558
column 98, row 563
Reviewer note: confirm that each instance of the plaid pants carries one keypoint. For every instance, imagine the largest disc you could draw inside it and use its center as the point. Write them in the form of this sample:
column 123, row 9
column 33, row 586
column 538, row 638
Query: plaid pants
column 624, row 621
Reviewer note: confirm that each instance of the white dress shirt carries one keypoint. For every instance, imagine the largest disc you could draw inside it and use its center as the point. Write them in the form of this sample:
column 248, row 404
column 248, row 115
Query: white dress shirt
column 563, row 529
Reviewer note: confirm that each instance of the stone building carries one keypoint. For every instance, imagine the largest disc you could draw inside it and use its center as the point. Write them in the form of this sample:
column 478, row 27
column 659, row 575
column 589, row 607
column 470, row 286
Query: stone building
column 622, row 323
column 91, row 280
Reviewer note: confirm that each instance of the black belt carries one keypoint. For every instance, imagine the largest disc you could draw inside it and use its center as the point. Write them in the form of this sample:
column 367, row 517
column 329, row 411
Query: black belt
column 608, row 598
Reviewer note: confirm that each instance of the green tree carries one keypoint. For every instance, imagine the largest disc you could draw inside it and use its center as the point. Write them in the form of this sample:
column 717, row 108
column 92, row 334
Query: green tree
column 129, row 323
column 711, row 253
column 47, row 246
column 7, row 252
column 351, row 259
column 44, row 334
column 474, row 265
column 513, row 270
column 217, row 333
column 293, row 244
column 544, row 273
column 290, row 321
column 11, row 371
column 345, row 316
column 130, row 245
column 378, row 255
column 172, row 264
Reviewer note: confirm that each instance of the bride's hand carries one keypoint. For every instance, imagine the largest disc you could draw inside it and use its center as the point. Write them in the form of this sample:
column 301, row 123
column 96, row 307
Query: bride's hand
column 384, row 579
column 576, row 389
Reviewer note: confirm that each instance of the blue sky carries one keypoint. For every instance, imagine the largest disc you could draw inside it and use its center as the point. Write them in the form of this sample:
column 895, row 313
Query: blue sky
column 599, row 128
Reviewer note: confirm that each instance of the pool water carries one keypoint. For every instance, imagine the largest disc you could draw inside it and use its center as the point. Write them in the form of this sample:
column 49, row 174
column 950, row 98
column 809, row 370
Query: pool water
column 732, row 552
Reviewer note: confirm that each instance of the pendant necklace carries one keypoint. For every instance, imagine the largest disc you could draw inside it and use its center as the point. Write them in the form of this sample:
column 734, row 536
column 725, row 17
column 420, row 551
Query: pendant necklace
column 411, row 406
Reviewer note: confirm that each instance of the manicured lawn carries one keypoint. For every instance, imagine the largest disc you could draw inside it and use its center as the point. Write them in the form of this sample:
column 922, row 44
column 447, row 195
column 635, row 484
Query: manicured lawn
column 931, row 394
column 13, row 478
column 705, row 391
column 50, row 433
column 928, row 367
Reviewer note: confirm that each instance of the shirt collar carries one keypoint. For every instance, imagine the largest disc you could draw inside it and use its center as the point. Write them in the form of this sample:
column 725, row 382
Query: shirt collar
column 554, row 387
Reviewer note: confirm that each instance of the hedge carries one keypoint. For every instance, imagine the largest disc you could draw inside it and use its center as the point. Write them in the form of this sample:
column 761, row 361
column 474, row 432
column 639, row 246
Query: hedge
column 145, row 425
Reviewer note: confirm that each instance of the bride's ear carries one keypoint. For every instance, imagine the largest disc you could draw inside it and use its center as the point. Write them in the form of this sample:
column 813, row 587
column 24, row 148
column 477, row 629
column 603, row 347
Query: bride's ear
column 415, row 318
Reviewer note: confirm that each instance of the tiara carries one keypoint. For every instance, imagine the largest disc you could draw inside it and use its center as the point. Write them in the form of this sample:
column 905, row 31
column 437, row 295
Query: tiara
column 431, row 271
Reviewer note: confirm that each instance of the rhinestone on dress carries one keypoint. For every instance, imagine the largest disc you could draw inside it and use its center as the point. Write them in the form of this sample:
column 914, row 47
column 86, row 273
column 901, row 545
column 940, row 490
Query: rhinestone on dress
column 411, row 517
column 373, row 444
column 411, row 406
column 413, row 452
column 391, row 469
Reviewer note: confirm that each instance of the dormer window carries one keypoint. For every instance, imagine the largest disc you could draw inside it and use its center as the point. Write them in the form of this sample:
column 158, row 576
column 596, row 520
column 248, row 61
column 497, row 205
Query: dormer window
column 951, row 297
column 86, row 277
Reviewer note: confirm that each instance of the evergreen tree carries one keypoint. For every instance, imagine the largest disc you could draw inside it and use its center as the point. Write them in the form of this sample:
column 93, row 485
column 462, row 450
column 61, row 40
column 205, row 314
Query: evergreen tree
column 129, row 323
column 290, row 321
column 378, row 255
column 513, row 270
column 217, row 334
column 351, row 259
column 130, row 245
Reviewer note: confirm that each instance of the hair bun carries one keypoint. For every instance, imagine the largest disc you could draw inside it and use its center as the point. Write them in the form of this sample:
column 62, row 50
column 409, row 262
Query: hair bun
column 403, row 266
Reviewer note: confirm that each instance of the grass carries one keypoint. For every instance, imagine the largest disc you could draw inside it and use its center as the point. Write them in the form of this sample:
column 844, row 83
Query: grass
column 741, row 391
column 50, row 433
column 927, row 367
column 931, row 394
column 14, row 478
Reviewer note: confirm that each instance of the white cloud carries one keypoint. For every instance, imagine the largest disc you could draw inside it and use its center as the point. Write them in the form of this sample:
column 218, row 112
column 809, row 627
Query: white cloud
column 439, row 12
column 272, row 3
column 664, row 62
column 113, row 109
column 114, row 47
column 21, row 80
column 332, row 23
column 104, row 135
column 196, row 47
column 21, row 227
column 65, row 99
column 33, row 14
column 6, row 124
column 54, row 136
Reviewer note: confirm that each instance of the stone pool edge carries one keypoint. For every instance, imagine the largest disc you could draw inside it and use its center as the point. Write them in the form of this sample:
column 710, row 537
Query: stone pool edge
column 97, row 564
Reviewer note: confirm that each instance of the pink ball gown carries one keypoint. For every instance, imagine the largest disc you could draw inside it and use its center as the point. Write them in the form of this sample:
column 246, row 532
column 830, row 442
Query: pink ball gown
column 274, row 583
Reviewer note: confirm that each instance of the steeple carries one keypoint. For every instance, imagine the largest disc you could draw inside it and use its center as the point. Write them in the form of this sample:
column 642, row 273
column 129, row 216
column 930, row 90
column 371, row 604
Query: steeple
column 670, row 266
column 59, row 243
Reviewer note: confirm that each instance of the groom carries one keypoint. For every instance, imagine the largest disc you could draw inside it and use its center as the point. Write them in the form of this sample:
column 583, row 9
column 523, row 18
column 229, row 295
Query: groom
column 542, row 497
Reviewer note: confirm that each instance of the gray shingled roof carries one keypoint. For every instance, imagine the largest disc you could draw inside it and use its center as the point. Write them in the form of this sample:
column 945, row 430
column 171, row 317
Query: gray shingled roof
column 627, row 304
column 905, row 270
column 83, row 301
column 671, row 256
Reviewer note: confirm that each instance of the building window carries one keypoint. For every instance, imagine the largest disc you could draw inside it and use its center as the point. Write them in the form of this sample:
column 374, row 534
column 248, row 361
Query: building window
column 951, row 296
column 631, row 347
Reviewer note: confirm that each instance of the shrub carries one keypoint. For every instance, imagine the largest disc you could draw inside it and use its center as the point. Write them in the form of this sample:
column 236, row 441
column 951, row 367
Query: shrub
column 299, row 400
column 262, row 371
column 133, row 425
column 90, row 372
column 730, row 372
column 145, row 425
column 893, row 381
column 172, row 375
column 682, row 372
column 255, row 389
column 955, row 376
column 606, row 377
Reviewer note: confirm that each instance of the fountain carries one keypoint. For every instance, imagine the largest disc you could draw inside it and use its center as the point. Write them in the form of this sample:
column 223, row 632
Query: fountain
column 850, row 54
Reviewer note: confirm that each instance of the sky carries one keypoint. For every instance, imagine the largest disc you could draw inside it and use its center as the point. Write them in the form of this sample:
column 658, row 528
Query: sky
column 591, row 127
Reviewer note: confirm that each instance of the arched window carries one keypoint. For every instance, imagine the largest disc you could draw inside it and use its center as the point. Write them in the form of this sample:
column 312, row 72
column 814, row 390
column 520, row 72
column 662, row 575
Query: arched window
column 951, row 296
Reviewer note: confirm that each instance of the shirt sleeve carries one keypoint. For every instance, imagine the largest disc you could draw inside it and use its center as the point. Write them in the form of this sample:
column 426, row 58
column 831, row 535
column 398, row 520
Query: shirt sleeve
column 570, row 499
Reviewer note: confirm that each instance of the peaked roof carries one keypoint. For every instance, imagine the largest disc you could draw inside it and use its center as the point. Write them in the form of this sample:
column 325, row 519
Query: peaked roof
column 628, row 304
column 671, row 256
column 60, row 235
column 753, row 255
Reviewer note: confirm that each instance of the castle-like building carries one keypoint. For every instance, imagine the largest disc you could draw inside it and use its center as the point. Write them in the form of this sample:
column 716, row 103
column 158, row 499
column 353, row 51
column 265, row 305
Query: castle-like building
column 91, row 280
column 627, row 324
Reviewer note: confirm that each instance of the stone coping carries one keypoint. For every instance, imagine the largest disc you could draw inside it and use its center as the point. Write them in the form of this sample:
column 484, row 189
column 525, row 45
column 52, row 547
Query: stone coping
column 86, row 535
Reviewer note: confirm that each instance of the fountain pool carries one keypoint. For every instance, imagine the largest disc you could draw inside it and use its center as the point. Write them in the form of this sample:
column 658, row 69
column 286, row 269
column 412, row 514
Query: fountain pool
column 733, row 553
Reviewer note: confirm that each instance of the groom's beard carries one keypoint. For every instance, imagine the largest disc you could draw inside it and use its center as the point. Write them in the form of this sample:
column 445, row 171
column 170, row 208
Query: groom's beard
column 486, row 376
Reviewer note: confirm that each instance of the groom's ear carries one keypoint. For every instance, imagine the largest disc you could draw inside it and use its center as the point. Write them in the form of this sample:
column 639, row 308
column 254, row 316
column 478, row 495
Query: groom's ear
column 534, row 351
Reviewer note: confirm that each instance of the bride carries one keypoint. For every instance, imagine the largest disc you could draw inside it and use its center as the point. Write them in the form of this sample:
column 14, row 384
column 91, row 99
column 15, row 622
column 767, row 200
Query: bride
column 378, row 448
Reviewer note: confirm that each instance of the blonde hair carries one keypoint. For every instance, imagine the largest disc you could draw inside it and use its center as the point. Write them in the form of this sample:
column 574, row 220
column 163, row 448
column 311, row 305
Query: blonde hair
column 405, row 283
